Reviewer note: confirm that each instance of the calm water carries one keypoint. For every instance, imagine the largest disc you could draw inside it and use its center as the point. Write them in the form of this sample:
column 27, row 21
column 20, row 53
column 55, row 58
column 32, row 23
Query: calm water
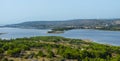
column 108, row 37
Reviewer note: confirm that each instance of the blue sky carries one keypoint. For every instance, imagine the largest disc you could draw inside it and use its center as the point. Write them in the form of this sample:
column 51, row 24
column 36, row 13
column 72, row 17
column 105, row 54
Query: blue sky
column 15, row 11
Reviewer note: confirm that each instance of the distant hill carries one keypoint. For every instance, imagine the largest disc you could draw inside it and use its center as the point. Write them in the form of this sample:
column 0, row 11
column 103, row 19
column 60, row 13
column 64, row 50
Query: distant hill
column 77, row 23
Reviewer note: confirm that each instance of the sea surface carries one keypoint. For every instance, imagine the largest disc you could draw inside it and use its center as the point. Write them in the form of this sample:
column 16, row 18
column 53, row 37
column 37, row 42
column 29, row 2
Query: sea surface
column 100, row 36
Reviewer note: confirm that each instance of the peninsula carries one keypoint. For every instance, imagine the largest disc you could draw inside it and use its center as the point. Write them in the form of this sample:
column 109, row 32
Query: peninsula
column 100, row 24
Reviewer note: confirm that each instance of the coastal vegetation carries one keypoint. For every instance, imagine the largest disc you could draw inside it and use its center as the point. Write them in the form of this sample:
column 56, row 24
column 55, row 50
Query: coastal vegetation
column 55, row 48
column 110, row 28
column 60, row 30
column 52, row 31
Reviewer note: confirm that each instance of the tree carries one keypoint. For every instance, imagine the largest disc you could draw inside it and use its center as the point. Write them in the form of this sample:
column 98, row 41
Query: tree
column 1, row 50
column 5, row 47
column 50, row 54
column 41, row 54
column 15, row 52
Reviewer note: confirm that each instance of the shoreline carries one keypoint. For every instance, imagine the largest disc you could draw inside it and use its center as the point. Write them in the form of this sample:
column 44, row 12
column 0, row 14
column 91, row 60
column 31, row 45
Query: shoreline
column 85, row 40
column 72, row 37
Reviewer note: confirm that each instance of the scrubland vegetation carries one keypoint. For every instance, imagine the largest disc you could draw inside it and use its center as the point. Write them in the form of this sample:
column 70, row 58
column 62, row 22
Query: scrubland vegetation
column 54, row 48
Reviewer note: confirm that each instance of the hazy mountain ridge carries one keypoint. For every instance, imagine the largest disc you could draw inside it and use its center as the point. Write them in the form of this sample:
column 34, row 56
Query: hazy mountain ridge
column 69, row 23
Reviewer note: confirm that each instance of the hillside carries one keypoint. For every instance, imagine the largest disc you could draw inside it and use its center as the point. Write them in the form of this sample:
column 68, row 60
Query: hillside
column 104, row 24
column 54, row 48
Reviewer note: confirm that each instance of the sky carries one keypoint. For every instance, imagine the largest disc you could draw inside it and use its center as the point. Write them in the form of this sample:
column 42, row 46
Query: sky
column 16, row 11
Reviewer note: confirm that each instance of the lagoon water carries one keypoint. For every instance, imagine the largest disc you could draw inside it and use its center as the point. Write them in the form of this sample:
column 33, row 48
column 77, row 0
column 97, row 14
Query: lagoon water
column 100, row 36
